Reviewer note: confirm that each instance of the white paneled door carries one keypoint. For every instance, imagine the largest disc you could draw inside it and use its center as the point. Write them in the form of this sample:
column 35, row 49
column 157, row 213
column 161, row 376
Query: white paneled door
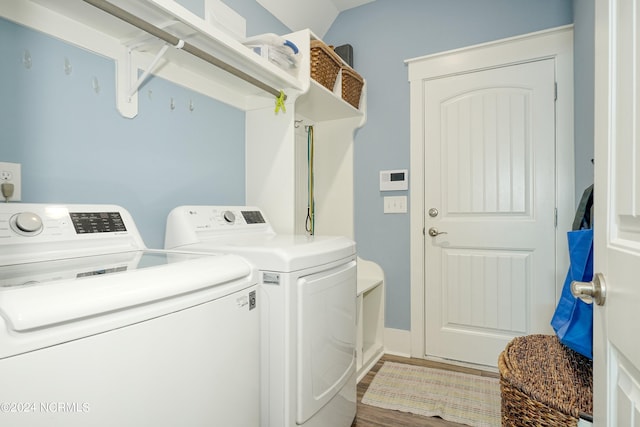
column 617, row 214
column 489, row 194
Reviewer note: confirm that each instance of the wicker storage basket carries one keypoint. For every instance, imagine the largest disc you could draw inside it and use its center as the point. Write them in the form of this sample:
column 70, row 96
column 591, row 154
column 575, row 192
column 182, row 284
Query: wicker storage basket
column 543, row 383
column 352, row 84
column 325, row 64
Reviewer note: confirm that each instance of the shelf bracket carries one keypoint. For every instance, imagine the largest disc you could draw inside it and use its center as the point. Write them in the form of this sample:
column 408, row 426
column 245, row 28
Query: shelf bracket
column 129, row 82
column 133, row 88
column 126, row 72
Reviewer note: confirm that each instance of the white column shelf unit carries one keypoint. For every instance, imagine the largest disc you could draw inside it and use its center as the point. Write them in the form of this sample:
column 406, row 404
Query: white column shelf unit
column 370, row 309
column 274, row 181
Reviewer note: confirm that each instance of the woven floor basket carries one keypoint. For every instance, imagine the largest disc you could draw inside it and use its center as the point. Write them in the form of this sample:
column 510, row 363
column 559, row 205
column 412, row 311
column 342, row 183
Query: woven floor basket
column 352, row 84
column 543, row 383
column 325, row 64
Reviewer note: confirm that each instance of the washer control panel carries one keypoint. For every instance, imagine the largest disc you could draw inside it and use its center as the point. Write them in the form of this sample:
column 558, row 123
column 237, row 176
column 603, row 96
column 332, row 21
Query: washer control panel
column 221, row 217
column 32, row 228
column 253, row 217
column 186, row 223
column 31, row 224
column 97, row 222
column 245, row 216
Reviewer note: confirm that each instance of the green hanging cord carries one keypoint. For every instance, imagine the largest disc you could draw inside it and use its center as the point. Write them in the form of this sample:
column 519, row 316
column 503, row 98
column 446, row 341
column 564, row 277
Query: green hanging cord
column 280, row 102
column 310, row 221
column 312, row 181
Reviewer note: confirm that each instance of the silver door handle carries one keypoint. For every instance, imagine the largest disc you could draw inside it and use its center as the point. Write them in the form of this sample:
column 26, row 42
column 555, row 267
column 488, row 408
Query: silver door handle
column 433, row 232
column 594, row 291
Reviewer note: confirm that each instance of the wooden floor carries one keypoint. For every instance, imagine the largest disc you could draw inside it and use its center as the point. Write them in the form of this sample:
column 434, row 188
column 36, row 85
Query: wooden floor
column 370, row 416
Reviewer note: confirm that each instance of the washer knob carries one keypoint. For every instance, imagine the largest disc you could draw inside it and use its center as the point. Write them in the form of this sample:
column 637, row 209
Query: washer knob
column 229, row 217
column 28, row 222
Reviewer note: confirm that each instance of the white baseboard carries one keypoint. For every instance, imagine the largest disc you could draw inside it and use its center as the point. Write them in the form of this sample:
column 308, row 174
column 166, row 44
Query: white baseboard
column 397, row 342
column 363, row 371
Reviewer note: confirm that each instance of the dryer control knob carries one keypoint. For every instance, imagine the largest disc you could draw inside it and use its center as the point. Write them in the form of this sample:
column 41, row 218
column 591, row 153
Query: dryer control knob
column 28, row 222
column 229, row 217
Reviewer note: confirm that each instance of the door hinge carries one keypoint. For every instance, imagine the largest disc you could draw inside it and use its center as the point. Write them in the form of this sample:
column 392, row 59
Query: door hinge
column 555, row 91
column 555, row 217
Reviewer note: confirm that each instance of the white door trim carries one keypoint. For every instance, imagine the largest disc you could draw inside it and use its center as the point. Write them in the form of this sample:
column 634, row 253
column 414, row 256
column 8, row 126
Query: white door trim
column 555, row 43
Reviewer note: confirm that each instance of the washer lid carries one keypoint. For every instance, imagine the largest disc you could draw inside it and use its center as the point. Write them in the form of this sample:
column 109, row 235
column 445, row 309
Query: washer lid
column 78, row 268
column 37, row 295
column 284, row 253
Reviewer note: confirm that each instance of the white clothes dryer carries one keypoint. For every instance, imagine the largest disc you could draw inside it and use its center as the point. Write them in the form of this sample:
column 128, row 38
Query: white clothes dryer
column 308, row 291
column 96, row 330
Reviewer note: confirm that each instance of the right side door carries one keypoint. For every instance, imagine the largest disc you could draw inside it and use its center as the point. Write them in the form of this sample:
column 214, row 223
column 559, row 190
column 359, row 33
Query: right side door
column 617, row 214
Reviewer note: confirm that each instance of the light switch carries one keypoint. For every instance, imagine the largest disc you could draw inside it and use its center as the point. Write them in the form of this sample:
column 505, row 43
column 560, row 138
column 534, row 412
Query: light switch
column 395, row 204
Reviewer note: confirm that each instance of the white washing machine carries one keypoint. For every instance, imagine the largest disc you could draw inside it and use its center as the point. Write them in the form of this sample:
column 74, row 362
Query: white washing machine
column 308, row 292
column 95, row 330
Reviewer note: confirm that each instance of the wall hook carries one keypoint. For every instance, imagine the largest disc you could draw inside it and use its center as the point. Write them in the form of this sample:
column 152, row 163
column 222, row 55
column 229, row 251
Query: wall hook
column 96, row 85
column 296, row 123
column 191, row 106
column 172, row 105
column 26, row 59
column 67, row 66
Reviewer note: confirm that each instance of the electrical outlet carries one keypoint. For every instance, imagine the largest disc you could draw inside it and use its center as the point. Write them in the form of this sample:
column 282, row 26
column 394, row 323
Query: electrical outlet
column 10, row 172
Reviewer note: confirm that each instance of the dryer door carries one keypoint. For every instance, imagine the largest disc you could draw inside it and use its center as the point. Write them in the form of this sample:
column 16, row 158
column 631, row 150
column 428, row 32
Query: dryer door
column 326, row 336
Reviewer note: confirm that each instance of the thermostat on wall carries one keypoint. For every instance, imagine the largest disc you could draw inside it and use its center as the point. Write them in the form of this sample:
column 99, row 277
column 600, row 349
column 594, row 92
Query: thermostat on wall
column 394, row 180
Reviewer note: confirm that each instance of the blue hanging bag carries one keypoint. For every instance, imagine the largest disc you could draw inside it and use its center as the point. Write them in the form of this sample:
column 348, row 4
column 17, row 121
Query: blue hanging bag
column 573, row 318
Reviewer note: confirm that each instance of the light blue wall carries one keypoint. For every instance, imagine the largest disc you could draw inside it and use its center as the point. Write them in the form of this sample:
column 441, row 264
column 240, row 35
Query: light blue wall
column 259, row 20
column 75, row 148
column 195, row 6
column 583, row 56
column 383, row 34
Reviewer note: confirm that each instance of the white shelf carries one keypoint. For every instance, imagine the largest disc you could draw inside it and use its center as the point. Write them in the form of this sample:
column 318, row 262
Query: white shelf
column 84, row 25
column 321, row 104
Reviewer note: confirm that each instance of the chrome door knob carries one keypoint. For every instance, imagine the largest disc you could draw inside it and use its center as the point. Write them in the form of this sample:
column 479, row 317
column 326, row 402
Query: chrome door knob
column 594, row 291
column 433, row 232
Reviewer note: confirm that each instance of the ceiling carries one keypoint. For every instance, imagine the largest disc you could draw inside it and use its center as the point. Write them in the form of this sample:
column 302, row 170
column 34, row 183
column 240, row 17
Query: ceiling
column 318, row 15
column 349, row 4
